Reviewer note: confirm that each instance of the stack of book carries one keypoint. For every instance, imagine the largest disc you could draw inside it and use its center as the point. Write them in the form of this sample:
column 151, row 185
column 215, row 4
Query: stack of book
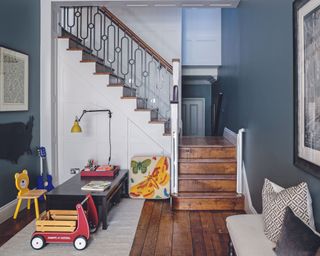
column 99, row 186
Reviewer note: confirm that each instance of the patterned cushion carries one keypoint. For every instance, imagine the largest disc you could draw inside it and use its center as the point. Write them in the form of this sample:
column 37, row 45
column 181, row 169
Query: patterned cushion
column 274, row 202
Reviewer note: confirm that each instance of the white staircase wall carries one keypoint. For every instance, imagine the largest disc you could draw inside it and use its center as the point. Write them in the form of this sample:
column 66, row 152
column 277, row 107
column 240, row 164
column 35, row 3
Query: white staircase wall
column 78, row 89
column 159, row 27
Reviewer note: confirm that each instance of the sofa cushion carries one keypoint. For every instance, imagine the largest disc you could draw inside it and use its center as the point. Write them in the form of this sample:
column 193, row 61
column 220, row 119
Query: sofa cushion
column 296, row 238
column 274, row 202
column 248, row 238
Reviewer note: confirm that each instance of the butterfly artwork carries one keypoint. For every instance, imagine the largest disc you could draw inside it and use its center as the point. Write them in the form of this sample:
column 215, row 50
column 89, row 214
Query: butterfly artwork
column 140, row 166
column 154, row 182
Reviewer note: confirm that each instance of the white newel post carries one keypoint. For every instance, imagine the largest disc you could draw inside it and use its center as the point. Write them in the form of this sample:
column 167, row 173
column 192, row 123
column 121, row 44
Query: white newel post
column 175, row 125
column 239, row 160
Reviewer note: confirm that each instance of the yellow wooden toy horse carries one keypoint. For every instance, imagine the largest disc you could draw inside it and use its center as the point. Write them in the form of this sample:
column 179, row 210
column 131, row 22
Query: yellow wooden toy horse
column 22, row 184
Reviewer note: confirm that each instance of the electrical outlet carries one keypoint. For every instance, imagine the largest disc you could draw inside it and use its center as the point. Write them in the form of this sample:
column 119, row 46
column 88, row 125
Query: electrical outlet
column 74, row 170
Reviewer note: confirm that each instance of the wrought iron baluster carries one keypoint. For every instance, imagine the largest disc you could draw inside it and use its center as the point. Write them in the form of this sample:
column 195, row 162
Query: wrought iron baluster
column 131, row 59
column 125, row 70
column 111, row 26
column 90, row 27
column 138, row 50
column 78, row 18
column 85, row 26
column 97, row 21
column 117, row 52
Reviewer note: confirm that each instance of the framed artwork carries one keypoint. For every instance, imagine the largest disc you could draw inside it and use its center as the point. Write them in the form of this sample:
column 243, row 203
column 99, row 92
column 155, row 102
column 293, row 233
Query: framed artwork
column 14, row 79
column 307, row 85
column 149, row 177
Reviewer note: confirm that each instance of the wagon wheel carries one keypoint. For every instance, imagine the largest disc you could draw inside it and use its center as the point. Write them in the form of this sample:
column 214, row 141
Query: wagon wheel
column 93, row 228
column 80, row 243
column 37, row 242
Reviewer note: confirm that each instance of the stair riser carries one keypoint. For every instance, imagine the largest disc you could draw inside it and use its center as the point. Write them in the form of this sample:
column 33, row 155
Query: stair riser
column 207, row 185
column 117, row 80
column 195, row 204
column 87, row 56
column 207, row 168
column 129, row 91
column 141, row 103
column 102, row 68
column 205, row 153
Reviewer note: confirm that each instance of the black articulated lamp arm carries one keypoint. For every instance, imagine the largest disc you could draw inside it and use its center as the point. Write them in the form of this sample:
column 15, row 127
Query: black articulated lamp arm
column 109, row 115
column 95, row 111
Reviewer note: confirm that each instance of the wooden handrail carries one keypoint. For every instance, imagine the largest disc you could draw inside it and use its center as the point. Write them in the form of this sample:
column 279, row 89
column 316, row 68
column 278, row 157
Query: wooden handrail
column 136, row 38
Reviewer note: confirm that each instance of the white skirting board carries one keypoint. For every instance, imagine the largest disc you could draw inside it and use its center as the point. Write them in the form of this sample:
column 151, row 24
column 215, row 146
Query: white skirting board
column 248, row 207
column 232, row 137
column 7, row 210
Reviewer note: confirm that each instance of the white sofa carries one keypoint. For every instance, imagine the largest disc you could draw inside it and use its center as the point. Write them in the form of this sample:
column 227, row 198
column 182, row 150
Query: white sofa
column 247, row 236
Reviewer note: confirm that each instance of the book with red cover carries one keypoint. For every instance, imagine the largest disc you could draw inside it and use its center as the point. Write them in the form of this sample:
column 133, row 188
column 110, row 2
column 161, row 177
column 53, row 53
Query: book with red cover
column 101, row 172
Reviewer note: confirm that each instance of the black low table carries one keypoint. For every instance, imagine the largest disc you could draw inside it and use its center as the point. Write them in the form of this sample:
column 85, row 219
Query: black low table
column 69, row 194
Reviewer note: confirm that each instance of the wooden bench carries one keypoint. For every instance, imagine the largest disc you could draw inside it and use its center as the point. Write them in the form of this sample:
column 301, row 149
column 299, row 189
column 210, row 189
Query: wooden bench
column 247, row 236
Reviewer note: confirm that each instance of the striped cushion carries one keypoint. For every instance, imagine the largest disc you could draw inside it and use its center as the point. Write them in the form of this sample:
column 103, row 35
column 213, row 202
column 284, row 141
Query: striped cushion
column 274, row 202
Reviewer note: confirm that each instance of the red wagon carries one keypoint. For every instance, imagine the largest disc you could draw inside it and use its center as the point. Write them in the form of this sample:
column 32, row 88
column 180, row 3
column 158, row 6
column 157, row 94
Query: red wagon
column 66, row 226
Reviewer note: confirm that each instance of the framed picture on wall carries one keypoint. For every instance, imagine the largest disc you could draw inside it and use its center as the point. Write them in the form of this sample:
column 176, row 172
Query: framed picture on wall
column 14, row 79
column 307, row 85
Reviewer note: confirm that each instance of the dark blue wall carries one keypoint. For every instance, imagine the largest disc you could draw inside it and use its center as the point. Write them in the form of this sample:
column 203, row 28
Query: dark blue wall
column 257, row 79
column 20, row 30
column 200, row 91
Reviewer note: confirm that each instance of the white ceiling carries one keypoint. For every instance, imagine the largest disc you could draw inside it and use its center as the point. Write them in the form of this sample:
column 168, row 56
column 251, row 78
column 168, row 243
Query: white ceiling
column 163, row 3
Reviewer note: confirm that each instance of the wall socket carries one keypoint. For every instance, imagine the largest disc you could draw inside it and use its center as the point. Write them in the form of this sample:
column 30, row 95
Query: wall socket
column 74, row 170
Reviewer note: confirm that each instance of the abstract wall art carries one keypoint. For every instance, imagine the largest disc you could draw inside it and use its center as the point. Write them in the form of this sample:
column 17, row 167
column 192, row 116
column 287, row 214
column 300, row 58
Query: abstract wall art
column 307, row 85
column 13, row 80
column 149, row 177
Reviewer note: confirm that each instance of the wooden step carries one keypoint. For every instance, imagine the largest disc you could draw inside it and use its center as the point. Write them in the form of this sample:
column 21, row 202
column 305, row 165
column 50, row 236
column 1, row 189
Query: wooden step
column 208, row 166
column 114, row 79
column 208, row 201
column 126, row 91
column 200, row 152
column 207, row 183
column 153, row 112
column 89, row 56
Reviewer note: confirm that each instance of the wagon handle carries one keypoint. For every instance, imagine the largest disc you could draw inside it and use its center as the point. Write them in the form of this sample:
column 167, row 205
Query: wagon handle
column 85, row 200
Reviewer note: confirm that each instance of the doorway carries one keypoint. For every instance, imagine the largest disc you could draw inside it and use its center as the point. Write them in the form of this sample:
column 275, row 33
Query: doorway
column 193, row 116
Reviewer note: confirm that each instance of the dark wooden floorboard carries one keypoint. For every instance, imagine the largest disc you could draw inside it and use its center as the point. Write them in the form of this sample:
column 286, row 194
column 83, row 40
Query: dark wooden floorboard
column 182, row 239
column 150, row 242
column 160, row 231
column 181, row 233
column 164, row 241
column 142, row 229
column 11, row 227
column 198, row 242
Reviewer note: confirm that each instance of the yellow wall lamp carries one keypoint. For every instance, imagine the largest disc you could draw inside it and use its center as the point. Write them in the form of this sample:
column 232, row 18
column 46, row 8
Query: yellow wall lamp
column 77, row 129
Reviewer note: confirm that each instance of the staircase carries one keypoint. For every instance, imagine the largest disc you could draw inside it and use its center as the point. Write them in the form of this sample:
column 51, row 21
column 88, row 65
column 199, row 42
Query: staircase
column 123, row 59
column 207, row 175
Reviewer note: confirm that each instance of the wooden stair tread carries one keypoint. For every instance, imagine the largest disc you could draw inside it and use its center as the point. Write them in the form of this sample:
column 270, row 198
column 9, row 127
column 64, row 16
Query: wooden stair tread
column 207, row 160
column 129, row 97
column 117, row 85
column 204, row 142
column 143, row 109
column 102, row 73
column 207, row 177
column 220, row 201
column 157, row 122
column 88, row 61
column 207, row 195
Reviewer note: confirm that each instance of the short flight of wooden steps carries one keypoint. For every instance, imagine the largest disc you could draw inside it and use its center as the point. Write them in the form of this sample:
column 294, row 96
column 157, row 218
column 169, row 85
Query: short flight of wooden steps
column 129, row 93
column 207, row 175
